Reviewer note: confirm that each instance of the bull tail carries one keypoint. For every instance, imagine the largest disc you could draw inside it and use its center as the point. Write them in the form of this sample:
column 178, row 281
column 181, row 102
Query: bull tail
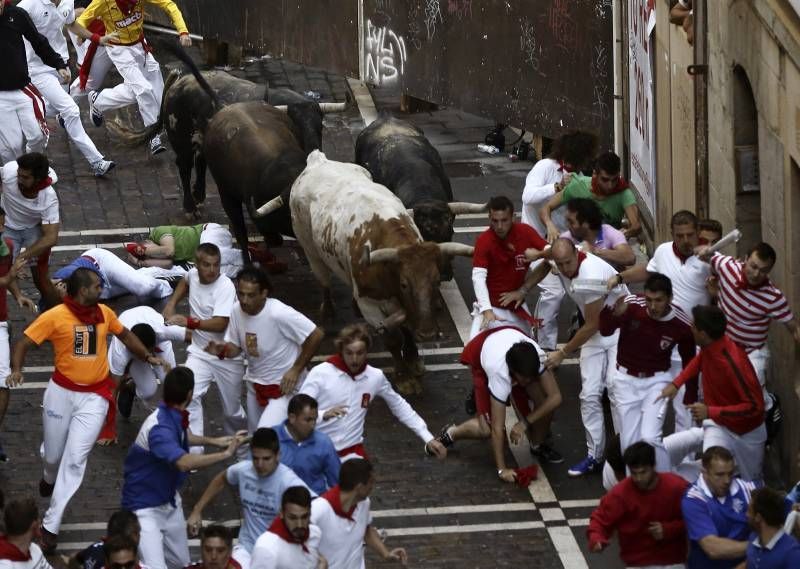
column 175, row 49
column 133, row 137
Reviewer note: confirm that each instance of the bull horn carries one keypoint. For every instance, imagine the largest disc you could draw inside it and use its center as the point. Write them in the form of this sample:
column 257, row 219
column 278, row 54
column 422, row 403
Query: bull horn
column 270, row 206
column 394, row 319
column 387, row 255
column 410, row 212
column 332, row 107
column 283, row 108
column 465, row 207
column 453, row 249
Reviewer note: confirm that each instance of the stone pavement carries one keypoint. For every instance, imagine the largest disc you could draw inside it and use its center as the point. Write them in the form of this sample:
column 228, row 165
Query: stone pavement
column 447, row 514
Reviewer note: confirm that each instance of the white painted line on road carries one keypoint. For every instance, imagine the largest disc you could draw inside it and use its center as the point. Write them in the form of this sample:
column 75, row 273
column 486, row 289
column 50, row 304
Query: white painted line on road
column 366, row 106
column 567, row 547
column 592, row 503
column 445, row 510
column 459, row 311
column 469, row 229
column 578, row 523
column 471, row 528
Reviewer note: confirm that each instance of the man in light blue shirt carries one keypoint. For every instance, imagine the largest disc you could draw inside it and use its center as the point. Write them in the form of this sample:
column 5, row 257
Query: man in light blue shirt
column 306, row 450
column 261, row 483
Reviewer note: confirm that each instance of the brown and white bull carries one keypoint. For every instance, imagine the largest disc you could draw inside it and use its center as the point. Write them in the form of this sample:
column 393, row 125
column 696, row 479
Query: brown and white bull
column 361, row 232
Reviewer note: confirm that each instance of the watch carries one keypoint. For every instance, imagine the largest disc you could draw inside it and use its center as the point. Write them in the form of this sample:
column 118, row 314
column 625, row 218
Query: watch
column 500, row 472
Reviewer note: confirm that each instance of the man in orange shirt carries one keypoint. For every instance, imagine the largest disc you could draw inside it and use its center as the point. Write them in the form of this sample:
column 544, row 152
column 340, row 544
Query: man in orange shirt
column 79, row 396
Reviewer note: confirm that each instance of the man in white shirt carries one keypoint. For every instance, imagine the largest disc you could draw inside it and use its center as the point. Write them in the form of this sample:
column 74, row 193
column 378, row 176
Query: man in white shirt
column 260, row 482
column 343, row 516
column 17, row 547
column 688, row 274
column 211, row 299
column 345, row 386
column 549, row 176
column 50, row 17
column 277, row 341
column 292, row 541
column 583, row 278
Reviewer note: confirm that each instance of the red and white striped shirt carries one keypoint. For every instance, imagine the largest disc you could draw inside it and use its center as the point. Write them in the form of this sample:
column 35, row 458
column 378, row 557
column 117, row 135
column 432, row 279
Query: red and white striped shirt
column 748, row 309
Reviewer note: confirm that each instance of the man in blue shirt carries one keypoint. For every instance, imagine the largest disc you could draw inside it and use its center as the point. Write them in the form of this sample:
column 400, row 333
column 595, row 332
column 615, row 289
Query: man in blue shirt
column 156, row 466
column 261, row 482
column 771, row 548
column 715, row 512
column 307, row 451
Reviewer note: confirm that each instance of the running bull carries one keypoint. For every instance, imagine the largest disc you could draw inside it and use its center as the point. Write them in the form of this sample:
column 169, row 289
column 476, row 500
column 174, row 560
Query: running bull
column 361, row 232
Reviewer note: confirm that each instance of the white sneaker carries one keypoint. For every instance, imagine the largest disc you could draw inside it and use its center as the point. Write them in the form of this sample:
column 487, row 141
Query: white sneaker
column 94, row 114
column 102, row 167
column 156, row 147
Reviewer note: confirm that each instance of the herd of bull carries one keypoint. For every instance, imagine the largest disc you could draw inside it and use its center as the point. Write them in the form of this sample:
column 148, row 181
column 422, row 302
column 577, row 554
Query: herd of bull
column 382, row 225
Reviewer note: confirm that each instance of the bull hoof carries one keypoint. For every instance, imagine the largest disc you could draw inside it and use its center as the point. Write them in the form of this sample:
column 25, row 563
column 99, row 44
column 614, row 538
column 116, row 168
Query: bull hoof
column 327, row 311
column 417, row 369
column 192, row 216
column 405, row 385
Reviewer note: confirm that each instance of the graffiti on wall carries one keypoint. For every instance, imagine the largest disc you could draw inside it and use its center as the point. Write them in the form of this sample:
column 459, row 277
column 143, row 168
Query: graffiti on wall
column 433, row 16
column 385, row 55
column 528, row 45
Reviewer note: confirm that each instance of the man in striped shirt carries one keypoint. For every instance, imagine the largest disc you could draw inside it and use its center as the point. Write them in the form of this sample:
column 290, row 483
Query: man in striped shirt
column 750, row 300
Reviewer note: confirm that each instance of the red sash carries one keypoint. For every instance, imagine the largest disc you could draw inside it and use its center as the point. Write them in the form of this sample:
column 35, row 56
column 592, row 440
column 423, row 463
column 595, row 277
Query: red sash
column 104, row 389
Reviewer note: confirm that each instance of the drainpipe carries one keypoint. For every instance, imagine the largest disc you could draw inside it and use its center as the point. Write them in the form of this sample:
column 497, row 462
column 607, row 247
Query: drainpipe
column 700, row 73
column 616, row 39
column 362, row 71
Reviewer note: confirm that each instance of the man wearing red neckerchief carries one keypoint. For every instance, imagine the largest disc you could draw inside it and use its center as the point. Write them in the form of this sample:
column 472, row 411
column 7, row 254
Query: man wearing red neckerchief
column 605, row 186
column 292, row 541
column 78, row 400
column 343, row 515
column 18, row 549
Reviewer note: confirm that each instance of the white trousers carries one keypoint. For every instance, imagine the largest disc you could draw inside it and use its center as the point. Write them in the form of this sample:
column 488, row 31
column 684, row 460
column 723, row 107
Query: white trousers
column 747, row 449
column 72, row 422
column 227, row 374
column 20, row 130
column 760, row 360
column 597, row 360
column 124, row 279
column 504, row 316
column 147, row 377
column 5, row 355
column 101, row 65
column 640, row 414
column 163, row 543
column 58, row 101
column 241, row 555
column 683, row 417
column 547, row 307
column 142, row 82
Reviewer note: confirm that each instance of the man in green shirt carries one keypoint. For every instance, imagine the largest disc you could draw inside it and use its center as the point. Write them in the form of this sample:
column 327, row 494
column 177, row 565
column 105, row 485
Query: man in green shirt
column 606, row 187
column 166, row 245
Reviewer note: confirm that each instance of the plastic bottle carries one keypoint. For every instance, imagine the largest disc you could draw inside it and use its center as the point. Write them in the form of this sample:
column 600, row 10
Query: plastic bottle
column 488, row 149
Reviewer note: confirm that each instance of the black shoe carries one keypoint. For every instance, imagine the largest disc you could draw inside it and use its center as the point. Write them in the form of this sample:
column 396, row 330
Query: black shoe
column 445, row 438
column 125, row 398
column 3, row 455
column 45, row 490
column 545, row 453
column 171, row 280
column 469, row 404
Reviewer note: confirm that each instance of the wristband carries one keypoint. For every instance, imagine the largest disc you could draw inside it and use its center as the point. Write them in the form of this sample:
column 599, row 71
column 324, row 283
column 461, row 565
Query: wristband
column 95, row 38
column 224, row 353
column 192, row 323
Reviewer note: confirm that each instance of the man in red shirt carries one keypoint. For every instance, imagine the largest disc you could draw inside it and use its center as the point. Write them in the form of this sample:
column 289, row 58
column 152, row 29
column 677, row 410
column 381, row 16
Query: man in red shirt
column 650, row 327
column 499, row 267
column 732, row 413
column 645, row 510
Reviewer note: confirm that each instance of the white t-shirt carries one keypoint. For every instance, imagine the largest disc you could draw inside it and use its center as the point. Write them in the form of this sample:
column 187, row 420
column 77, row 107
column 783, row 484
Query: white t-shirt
column 539, row 188
column 270, row 340
column 273, row 552
column 594, row 269
column 119, row 356
column 207, row 301
column 493, row 360
column 37, row 560
column 688, row 278
column 49, row 20
column 24, row 213
column 342, row 542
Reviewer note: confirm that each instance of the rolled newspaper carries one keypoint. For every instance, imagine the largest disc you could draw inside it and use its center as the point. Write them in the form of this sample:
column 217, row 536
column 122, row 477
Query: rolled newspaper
column 598, row 286
column 729, row 239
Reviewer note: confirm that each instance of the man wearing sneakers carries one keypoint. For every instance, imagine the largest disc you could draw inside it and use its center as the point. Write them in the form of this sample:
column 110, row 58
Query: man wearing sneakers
column 50, row 17
column 345, row 386
column 277, row 341
column 142, row 81
column 211, row 299
column 507, row 366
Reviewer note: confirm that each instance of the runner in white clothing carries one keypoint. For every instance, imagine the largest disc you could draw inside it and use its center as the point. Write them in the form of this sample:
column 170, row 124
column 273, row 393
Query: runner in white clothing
column 345, row 386
column 571, row 152
column 50, row 17
column 277, row 341
column 292, row 541
column 343, row 516
column 211, row 299
column 22, row 525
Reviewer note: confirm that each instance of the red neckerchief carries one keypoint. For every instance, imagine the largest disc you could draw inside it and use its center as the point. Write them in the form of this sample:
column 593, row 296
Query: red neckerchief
column 581, row 259
column 11, row 552
column 96, row 27
column 621, row 186
column 680, row 255
column 184, row 415
column 279, row 528
column 337, row 361
column 86, row 314
column 564, row 167
column 45, row 183
column 126, row 6
column 334, row 498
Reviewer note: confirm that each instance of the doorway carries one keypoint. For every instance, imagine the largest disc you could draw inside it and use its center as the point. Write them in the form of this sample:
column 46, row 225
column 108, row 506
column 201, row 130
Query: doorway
column 745, row 140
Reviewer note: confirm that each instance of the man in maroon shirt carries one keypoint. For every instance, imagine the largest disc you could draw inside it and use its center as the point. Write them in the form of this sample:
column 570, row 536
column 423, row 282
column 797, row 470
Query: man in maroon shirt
column 645, row 510
column 499, row 267
column 650, row 327
column 732, row 412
